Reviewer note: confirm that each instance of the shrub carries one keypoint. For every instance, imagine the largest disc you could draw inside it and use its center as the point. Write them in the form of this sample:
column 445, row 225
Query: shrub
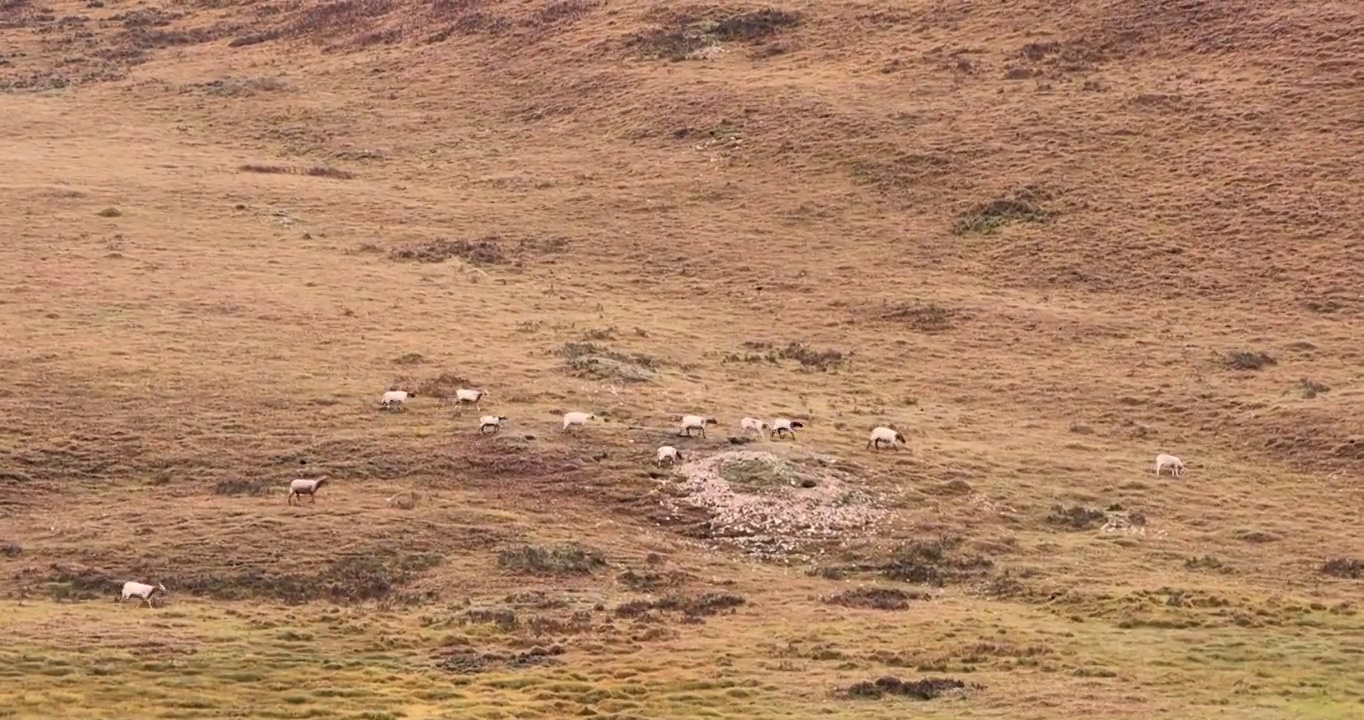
column 484, row 251
column 558, row 560
column 933, row 562
column 1246, row 360
column 875, row 598
column 243, row 486
column 1076, row 517
column 598, row 362
column 988, row 217
column 925, row 689
column 689, row 606
column 1350, row 568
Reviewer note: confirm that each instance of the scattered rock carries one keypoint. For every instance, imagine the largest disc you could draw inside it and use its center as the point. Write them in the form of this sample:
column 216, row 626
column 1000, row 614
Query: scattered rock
column 771, row 505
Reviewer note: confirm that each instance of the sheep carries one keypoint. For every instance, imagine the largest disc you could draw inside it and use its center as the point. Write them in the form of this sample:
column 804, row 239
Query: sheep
column 1176, row 465
column 299, row 488
column 785, row 425
column 695, row 422
column 754, row 424
column 577, row 418
column 886, row 435
column 490, row 421
column 395, row 398
column 463, row 396
column 669, row 454
column 142, row 591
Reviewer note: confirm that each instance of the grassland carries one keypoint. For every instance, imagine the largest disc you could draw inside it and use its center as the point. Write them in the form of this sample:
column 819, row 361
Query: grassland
column 1047, row 243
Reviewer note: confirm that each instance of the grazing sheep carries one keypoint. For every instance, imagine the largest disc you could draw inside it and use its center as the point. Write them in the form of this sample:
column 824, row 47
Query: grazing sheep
column 784, row 425
column 464, row 396
column 490, row 421
column 395, row 398
column 142, row 591
column 668, row 454
column 695, row 422
column 754, row 424
column 886, row 435
column 299, row 488
column 577, row 418
column 1175, row 464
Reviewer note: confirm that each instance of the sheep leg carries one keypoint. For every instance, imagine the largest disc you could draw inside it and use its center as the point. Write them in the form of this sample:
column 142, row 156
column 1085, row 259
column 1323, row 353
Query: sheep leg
column 703, row 431
column 312, row 497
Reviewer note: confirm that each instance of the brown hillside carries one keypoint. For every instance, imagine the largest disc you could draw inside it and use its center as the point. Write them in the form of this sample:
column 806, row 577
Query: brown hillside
column 1045, row 242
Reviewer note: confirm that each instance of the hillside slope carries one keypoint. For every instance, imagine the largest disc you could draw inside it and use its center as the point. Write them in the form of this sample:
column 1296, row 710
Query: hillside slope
column 1045, row 243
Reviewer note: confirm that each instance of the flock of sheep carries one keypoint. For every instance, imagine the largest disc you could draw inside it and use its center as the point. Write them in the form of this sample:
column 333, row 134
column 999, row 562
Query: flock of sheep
column 667, row 454
column 881, row 436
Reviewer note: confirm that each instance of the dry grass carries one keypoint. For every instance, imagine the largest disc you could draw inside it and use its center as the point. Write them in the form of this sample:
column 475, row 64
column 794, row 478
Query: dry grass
column 1046, row 242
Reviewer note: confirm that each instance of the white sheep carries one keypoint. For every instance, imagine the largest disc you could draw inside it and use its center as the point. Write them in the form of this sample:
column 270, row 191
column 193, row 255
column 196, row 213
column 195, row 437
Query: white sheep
column 490, row 421
column 299, row 488
column 785, row 425
column 464, row 396
column 1175, row 464
column 695, row 422
column 395, row 398
column 142, row 591
column 754, row 424
column 668, row 454
column 886, row 435
column 577, row 418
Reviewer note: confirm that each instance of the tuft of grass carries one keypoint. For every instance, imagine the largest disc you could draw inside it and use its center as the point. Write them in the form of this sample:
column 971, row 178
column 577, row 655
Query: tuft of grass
column 244, row 486
column 811, row 358
column 1310, row 389
column 571, row 559
column 11, row 549
column 347, row 579
column 925, row 689
column 808, row 357
column 933, row 562
column 691, row 607
column 686, row 37
column 110, row 212
column 1247, row 360
column 315, row 171
column 988, row 217
column 1204, row 562
column 876, row 598
column 441, row 386
column 1076, row 517
column 1350, row 568
column 650, row 581
column 560, row 12
column 754, row 25
column 598, row 362
column 484, row 251
column 927, row 318
column 265, row 169
column 329, row 172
